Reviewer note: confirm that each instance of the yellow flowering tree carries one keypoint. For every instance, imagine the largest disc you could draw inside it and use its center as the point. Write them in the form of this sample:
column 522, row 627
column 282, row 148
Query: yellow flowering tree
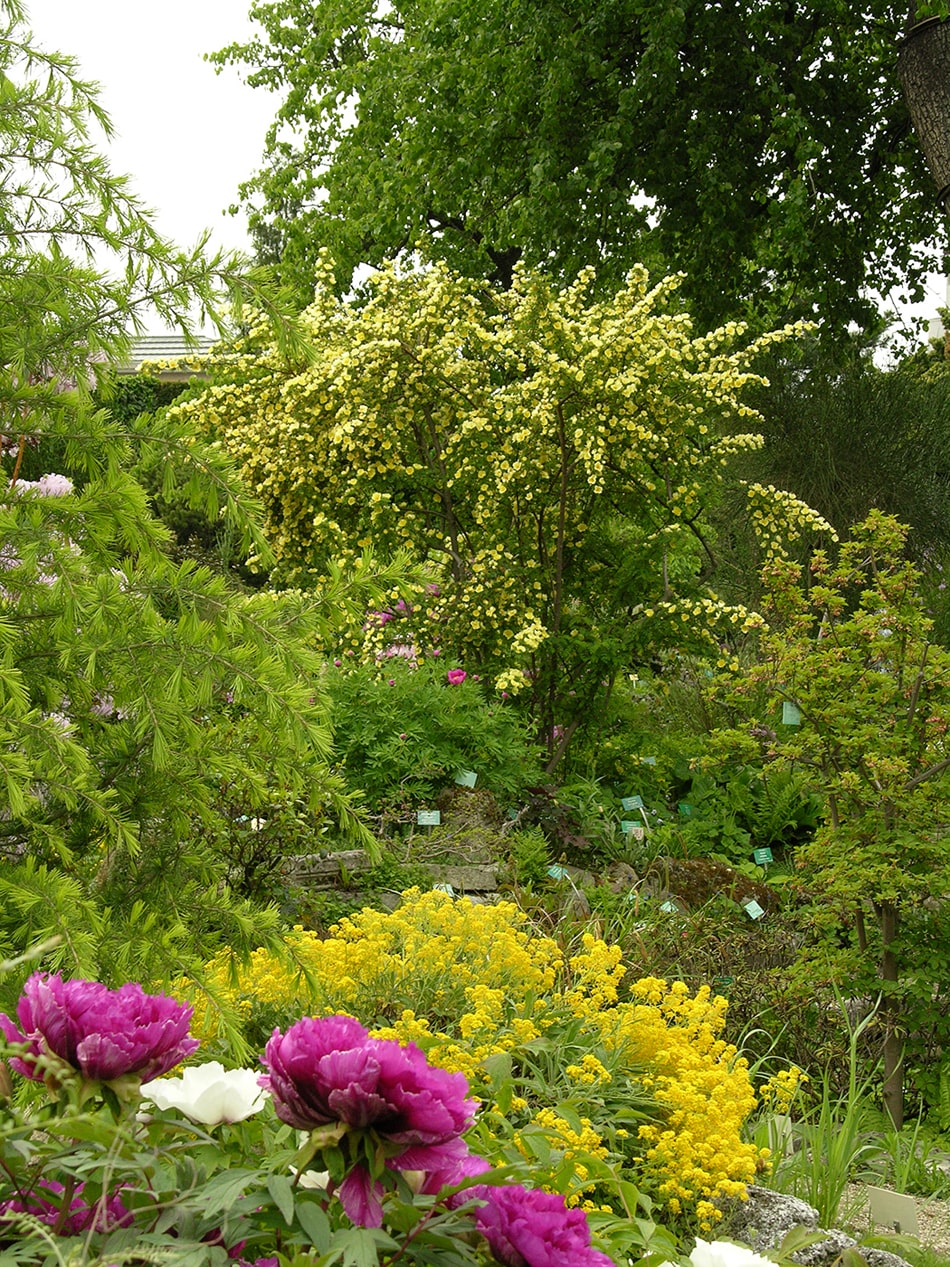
column 551, row 456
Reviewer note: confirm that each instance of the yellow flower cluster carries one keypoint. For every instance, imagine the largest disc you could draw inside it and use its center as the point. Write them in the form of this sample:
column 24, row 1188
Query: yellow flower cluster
column 779, row 1092
column 779, row 516
column 696, row 1155
column 589, row 1071
column 570, row 1144
column 470, row 982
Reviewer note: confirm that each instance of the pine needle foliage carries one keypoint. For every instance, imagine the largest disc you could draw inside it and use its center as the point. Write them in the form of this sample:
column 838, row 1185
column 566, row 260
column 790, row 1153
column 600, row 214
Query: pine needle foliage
column 133, row 688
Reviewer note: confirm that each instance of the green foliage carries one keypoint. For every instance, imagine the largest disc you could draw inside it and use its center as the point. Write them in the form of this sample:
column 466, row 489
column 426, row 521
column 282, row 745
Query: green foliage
column 402, row 733
column 770, row 143
column 831, row 1144
column 734, row 811
column 528, row 857
column 549, row 457
column 137, row 694
column 850, row 648
column 848, row 438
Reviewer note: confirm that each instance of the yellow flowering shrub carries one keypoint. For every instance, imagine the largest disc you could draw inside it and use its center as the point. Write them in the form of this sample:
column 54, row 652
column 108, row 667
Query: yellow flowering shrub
column 550, row 454
column 636, row 1074
column 696, row 1154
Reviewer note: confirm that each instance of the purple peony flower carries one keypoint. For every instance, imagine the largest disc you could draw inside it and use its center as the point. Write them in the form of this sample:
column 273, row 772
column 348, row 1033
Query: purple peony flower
column 440, row 1166
column 328, row 1072
column 526, row 1227
column 103, row 1034
column 456, row 676
column 44, row 1202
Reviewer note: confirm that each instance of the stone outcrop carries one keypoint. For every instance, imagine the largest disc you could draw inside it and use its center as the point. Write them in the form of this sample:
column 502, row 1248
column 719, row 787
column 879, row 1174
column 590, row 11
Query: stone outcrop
column 767, row 1217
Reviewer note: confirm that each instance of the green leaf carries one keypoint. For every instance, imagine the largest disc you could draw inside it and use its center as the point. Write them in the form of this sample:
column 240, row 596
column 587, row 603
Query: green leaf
column 282, row 1194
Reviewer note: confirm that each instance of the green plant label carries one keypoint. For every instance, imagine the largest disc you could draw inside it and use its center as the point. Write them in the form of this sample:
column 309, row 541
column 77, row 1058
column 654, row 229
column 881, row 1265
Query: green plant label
column 444, row 888
column 648, row 760
column 632, row 802
column 791, row 714
column 627, row 825
column 512, row 814
column 894, row 1209
column 557, row 873
column 721, row 984
column 762, row 856
column 429, row 817
column 753, row 910
column 466, row 778
column 669, row 906
column 685, row 809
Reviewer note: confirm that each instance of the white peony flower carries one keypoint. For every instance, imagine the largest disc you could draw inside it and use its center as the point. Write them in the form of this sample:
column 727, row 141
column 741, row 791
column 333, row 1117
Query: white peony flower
column 725, row 1254
column 209, row 1093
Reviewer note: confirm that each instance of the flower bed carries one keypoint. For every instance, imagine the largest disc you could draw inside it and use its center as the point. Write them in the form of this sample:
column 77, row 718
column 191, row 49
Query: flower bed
column 640, row 1079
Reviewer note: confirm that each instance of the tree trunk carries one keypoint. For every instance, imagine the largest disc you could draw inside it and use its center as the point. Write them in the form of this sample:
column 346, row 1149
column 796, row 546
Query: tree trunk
column 890, row 1015
column 923, row 67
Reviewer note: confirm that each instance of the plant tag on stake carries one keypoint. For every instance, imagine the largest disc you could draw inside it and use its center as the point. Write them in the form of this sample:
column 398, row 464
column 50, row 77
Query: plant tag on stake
column 791, row 714
column 669, row 906
column 444, row 888
column 648, row 760
column 557, row 872
column 632, row 802
column 762, row 856
column 429, row 817
column 894, row 1209
column 753, row 910
column 685, row 809
column 466, row 778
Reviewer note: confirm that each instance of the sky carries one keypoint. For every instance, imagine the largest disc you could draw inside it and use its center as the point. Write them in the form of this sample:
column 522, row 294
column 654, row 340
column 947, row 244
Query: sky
column 186, row 135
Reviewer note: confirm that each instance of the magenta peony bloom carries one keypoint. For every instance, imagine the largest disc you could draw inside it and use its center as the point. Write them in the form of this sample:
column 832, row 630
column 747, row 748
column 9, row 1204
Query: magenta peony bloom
column 328, row 1069
column 526, row 1227
column 456, row 676
column 440, row 1166
column 103, row 1034
column 328, row 1072
column 44, row 1203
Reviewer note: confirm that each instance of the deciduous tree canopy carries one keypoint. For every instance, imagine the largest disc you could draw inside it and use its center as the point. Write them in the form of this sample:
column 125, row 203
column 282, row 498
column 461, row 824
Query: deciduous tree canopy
column 763, row 148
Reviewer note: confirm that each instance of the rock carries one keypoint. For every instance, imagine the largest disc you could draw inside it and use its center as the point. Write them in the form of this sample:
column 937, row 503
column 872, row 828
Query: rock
column 694, row 881
column 324, row 871
column 764, row 1220
column 622, row 878
column 473, row 879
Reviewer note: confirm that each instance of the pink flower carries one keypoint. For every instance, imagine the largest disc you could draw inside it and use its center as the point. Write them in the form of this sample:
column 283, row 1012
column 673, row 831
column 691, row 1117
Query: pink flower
column 446, row 1167
column 45, row 1201
column 456, row 676
column 526, row 1227
column 328, row 1071
column 103, row 1034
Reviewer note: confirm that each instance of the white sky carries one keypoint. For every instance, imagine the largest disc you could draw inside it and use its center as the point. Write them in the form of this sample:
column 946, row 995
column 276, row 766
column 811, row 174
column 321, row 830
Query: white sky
column 186, row 135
